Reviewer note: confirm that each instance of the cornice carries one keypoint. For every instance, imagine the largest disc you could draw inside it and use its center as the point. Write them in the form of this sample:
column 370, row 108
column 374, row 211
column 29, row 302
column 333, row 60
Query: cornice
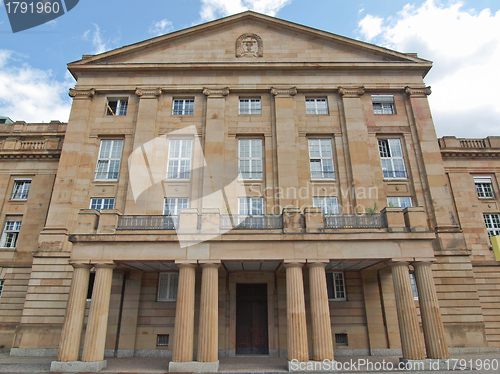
column 148, row 93
column 418, row 92
column 284, row 92
column 81, row 94
column 351, row 92
column 469, row 153
column 10, row 155
column 216, row 91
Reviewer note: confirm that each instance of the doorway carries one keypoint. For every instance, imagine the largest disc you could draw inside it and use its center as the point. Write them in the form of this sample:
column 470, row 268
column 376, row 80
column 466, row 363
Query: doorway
column 251, row 319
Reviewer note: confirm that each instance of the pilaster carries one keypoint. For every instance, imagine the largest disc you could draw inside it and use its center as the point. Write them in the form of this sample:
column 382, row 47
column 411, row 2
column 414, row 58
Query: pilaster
column 432, row 322
column 411, row 338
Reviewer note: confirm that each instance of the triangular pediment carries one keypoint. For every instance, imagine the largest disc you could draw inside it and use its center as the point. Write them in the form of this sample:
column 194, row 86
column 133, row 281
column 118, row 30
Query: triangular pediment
column 248, row 37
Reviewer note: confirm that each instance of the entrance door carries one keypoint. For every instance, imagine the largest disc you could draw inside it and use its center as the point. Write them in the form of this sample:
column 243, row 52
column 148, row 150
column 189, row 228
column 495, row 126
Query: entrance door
column 251, row 319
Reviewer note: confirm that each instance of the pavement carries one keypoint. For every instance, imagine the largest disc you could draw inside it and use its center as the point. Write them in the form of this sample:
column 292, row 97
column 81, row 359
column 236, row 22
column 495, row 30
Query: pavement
column 480, row 363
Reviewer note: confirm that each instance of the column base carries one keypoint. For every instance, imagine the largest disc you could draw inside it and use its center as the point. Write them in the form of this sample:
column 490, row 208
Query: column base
column 193, row 367
column 77, row 366
column 315, row 366
column 432, row 364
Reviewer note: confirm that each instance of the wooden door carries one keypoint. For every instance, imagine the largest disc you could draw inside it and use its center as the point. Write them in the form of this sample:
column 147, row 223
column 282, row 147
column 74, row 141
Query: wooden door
column 251, row 319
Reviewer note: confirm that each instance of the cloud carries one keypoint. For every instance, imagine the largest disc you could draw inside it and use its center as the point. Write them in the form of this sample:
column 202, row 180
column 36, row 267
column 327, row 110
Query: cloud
column 211, row 9
column 30, row 94
column 95, row 37
column 161, row 27
column 464, row 46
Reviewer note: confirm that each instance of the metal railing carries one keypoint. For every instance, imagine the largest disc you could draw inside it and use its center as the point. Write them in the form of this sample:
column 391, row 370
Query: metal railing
column 148, row 222
column 355, row 221
column 249, row 222
column 472, row 143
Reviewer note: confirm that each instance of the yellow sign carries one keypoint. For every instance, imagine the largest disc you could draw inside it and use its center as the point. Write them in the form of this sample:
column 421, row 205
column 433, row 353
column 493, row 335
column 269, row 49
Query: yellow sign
column 495, row 240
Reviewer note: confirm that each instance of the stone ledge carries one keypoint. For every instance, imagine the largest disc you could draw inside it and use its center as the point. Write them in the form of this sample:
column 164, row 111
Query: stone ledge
column 193, row 367
column 77, row 366
column 33, row 352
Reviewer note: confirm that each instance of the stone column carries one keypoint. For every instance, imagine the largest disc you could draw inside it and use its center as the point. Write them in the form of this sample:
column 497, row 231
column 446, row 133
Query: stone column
column 435, row 338
column 411, row 338
column 320, row 313
column 95, row 335
column 184, row 314
column 296, row 313
column 209, row 313
column 69, row 346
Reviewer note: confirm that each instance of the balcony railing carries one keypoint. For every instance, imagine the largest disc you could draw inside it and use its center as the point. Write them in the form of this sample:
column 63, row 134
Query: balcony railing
column 148, row 222
column 250, row 222
column 472, row 143
column 355, row 221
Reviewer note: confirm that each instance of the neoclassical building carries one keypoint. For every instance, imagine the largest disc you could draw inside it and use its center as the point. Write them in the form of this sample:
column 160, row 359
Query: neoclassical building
column 247, row 186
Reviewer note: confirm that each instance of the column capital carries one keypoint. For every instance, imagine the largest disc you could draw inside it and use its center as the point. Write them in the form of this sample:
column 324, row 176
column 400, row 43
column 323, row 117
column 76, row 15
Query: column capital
column 418, row 262
column 105, row 265
column 79, row 265
column 418, row 92
column 394, row 263
column 216, row 91
column 77, row 93
column 148, row 93
column 187, row 264
column 212, row 264
column 294, row 264
column 314, row 264
column 351, row 92
column 284, row 91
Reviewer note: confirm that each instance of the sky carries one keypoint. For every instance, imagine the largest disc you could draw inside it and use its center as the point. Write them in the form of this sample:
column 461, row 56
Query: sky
column 462, row 38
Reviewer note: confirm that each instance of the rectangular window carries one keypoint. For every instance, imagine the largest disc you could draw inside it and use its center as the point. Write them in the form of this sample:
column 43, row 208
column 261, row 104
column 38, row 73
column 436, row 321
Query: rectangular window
column 335, row 285
column 414, row 286
column 117, row 107
column 250, row 206
column 167, row 286
column 1, row 286
column 391, row 156
column 162, row 340
column 10, row 234
column 316, row 106
column 329, row 205
column 250, row 106
column 250, row 158
column 21, row 189
column 484, row 187
column 179, row 159
column 183, row 107
column 321, row 159
column 108, row 163
column 173, row 206
column 399, row 202
column 102, row 203
column 492, row 221
column 383, row 104
column 341, row 340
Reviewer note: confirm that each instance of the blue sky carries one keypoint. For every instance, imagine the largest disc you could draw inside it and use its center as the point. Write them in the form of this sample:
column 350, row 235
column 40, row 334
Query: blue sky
column 462, row 38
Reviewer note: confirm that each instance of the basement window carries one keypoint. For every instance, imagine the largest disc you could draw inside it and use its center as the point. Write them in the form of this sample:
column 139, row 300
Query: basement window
column 341, row 340
column 162, row 340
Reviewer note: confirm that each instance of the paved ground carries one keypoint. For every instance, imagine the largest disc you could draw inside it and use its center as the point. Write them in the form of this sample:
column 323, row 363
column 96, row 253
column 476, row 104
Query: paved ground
column 475, row 363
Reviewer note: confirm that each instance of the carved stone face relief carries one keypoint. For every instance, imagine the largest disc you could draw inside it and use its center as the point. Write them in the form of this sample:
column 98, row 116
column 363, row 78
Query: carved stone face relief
column 249, row 45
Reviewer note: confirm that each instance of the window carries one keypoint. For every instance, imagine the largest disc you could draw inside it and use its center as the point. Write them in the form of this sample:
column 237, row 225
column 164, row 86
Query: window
column 179, row 159
column 492, row 221
column 108, row 163
column 414, row 286
column 329, row 205
column 173, row 206
column 162, row 340
column 250, row 158
column 10, row 234
column 341, row 340
column 383, row 104
column 316, row 106
column 484, row 187
column 250, row 106
column 183, row 107
column 250, row 206
column 102, row 203
column 21, row 189
column 1, row 286
column 400, row 201
column 335, row 285
column 117, row 107
column 391, row 155
column 321, row 159
column 167, row 286
column 91, row 285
